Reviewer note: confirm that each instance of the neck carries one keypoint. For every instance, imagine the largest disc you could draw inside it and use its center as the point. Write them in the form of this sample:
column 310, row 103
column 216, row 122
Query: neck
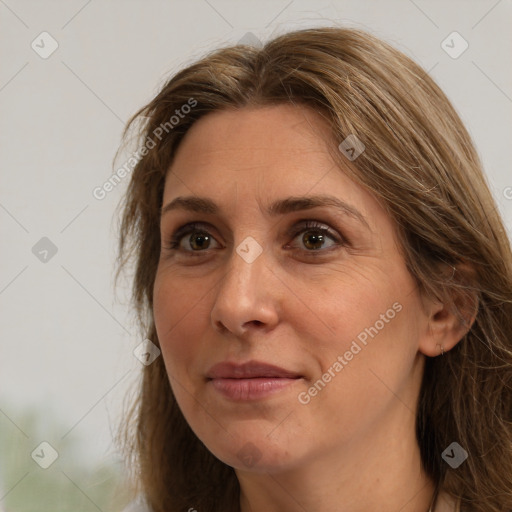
column 380, row 470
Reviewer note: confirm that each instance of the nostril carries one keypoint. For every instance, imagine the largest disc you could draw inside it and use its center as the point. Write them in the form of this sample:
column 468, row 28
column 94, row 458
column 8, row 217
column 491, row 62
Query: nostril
column 221, row 327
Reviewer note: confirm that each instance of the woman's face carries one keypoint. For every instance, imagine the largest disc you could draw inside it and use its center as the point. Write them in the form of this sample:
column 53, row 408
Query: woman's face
column 277, row 273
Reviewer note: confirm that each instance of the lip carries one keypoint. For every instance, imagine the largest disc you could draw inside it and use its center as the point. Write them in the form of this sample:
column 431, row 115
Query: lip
column 249, row 370
column 249, row 381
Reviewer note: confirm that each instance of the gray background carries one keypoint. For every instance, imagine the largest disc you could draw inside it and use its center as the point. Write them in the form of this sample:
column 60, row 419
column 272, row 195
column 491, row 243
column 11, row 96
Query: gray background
column 67, row 340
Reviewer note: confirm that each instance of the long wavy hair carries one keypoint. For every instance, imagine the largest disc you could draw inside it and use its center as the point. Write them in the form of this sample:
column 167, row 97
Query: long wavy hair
column 421, row 164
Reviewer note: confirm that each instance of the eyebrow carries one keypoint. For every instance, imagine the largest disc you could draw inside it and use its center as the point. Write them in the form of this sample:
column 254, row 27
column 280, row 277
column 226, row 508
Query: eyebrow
column 280, row 207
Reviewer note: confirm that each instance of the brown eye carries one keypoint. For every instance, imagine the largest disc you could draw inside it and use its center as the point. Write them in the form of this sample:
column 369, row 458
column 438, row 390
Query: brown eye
column 315, row 236
column 313, row 240
column 199, row 241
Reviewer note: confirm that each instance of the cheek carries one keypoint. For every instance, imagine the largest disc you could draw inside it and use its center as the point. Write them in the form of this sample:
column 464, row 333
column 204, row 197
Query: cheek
column 180, row 319
column 364, row 372
column 371, row 320
column 179, row 314
column 348, row 301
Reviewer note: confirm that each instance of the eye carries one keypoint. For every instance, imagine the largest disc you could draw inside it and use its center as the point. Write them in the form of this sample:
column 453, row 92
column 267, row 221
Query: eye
column 315, row 235
column 198, row 240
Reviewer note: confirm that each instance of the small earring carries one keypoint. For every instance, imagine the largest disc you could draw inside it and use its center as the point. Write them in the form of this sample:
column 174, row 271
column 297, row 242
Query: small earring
column 442, row 349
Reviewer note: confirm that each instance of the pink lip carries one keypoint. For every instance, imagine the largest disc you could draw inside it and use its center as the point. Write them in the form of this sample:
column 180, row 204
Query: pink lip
column 249, row 370
column 249, row 381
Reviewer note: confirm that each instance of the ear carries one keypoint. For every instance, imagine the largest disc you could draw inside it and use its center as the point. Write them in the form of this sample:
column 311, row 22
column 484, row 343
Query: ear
column 450, row 320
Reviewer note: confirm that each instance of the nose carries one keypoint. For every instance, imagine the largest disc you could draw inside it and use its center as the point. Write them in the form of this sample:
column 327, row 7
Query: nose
column 247, row 297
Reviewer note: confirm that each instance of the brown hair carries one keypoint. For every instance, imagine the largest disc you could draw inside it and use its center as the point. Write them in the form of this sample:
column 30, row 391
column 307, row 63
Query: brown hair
column 421, row 164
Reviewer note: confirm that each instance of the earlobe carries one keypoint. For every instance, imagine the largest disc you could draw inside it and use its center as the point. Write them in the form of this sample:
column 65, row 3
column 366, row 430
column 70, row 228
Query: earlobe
column 449, row 322
column 446, row 328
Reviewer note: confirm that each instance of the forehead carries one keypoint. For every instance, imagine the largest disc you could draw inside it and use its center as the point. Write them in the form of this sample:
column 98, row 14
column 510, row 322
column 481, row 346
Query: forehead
column 254, row 156
column 281, row 128
column 275, row 145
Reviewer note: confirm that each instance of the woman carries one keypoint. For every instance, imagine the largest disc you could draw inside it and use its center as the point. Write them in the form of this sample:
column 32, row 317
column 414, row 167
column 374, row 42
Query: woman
column 321, row 263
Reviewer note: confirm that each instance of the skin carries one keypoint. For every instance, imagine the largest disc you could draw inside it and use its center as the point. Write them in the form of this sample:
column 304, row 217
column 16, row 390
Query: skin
column 353, row 446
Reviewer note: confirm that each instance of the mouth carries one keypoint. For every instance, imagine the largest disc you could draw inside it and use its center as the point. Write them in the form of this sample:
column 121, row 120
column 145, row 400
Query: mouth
column 249, row 381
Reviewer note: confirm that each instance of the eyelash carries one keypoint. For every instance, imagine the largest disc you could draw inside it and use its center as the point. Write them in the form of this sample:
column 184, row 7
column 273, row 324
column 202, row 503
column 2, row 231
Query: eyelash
column 308, row 225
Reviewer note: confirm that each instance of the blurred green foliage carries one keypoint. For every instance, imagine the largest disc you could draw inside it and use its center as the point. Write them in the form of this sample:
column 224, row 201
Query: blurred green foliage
column 69, row 485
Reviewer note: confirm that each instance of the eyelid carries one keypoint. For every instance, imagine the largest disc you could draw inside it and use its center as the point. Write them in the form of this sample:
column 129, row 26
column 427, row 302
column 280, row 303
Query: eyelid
column 299, row 226
column 188, row 228
column 304, row 225
column 191, row 227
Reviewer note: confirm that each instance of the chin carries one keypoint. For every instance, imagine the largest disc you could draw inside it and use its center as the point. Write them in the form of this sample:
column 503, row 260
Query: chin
column 255, row 453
